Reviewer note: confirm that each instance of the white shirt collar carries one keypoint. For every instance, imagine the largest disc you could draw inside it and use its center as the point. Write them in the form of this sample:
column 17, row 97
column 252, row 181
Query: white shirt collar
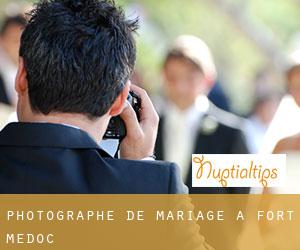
column 190, row 115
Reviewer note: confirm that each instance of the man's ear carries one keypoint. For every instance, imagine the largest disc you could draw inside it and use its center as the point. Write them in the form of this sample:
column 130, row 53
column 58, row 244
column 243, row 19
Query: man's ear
column 21, row 83
column 118, row 105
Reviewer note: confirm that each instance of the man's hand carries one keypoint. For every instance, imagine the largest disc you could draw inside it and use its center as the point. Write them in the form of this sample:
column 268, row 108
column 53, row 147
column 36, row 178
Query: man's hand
column 141, row 136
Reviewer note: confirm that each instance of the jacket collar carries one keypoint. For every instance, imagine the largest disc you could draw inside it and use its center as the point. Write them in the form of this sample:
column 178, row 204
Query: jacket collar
column 46, row 135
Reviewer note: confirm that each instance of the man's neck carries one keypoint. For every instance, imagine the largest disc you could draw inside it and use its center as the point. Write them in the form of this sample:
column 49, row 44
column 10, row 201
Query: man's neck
column 95, row 128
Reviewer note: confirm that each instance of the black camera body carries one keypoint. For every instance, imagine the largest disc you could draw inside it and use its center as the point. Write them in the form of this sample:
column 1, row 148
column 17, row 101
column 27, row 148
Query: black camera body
column 116, row 127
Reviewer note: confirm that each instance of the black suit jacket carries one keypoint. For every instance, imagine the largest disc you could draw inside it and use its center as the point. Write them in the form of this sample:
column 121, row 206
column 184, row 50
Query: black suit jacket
column 222, row 136
column 3, row 95
column 51, row 158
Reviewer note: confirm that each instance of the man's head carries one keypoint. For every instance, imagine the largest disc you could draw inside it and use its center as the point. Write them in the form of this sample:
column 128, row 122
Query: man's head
column 76, row 58
column 188, row 70
column 10, row 33
column 293, row 76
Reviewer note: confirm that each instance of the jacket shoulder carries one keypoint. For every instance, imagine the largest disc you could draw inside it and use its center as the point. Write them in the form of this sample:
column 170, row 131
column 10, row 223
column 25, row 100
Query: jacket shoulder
column 149, row 176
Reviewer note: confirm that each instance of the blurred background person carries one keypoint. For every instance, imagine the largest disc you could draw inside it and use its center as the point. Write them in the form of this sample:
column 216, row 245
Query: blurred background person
column 264, row 108
column 190, row 123
column 286, row 121
column 291, row 147
column 10, row 34
column 289, row 126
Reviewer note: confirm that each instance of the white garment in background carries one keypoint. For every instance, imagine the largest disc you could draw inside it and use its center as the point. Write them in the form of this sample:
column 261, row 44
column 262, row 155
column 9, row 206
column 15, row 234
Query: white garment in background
column 255, row 132
column 180, row 130
column 292, row 183
column 5, row 114
column 285, row 123
column 8, row 71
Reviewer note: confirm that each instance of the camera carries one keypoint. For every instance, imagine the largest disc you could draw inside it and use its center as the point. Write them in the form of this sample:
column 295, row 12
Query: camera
column 116, row 127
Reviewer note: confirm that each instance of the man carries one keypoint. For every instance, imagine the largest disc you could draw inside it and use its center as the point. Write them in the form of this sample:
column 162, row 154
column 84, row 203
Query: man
column 10, row 33
column 75, row 61
column 190, row 123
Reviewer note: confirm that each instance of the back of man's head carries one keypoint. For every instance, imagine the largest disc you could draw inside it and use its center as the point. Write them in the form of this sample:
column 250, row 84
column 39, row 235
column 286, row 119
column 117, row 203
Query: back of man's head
column 78, row 56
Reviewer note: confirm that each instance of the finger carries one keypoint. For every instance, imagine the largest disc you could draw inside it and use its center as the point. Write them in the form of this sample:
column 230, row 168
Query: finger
column 130, row 119
column 148, row 113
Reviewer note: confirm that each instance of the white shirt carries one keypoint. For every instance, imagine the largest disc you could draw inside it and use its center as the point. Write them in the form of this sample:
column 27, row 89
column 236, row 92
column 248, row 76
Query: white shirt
column 180, row 130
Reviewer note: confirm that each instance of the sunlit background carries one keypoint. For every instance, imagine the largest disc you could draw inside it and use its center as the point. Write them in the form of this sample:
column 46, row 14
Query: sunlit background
column 250, row 39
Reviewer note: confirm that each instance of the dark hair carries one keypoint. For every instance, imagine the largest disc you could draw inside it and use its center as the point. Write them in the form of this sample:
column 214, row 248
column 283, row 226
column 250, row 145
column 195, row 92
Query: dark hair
column 78, row 55
column 12, row 20
column 176, row 54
